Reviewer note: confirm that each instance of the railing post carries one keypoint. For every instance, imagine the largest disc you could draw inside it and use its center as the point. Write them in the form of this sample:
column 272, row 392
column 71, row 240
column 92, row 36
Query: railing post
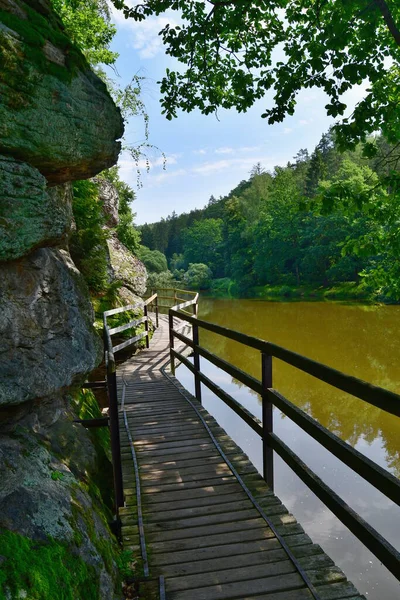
column 196, row 362
column 114, row 433
column 171, row 341
column 157, row 324
column 267, row 420
column 146, row 326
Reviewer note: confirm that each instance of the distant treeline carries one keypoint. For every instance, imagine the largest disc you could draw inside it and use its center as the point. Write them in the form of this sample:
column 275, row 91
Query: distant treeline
column 327, row 218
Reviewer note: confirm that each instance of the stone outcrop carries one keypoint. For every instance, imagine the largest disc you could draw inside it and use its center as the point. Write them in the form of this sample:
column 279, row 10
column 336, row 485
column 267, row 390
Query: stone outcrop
column 55, row 113
column 45, row 466
column 126, row 268
column 109, row 199
column 45, row 326
column 31, row 215
column 123, row 266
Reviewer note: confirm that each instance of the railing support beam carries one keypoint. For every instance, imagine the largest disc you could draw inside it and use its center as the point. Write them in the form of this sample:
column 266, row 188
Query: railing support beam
column 157, row 323
column 146, row 326
column 267, row 420
column 196, row 362
column 114, row 432
column 171, row 342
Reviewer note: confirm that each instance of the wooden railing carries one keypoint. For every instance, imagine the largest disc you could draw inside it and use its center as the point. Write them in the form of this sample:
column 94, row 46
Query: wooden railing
column 111, row 375
column 111, row 379
column 171, row 296
column 366, row 468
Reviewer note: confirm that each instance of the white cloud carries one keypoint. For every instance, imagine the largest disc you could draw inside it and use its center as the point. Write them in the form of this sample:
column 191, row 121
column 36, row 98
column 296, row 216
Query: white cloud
column 249, row 148
column 144, row 34
column 305, row 121
column 224, row 150
column 161, row 177
column 201, row 151
column 287, row 130
column 308, row 97
column 209, row 168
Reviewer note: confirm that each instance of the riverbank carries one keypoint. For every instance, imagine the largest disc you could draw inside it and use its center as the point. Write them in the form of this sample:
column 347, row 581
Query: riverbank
column 349, row 291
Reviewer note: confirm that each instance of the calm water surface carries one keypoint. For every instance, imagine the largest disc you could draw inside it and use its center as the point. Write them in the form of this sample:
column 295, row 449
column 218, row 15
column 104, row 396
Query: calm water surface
column 359, row 340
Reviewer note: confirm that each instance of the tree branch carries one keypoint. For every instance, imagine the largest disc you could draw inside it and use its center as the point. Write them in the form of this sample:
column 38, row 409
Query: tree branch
column 389, row 20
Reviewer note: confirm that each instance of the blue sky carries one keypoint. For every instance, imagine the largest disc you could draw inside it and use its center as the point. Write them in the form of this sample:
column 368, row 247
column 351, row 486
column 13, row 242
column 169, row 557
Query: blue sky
column 205, row 156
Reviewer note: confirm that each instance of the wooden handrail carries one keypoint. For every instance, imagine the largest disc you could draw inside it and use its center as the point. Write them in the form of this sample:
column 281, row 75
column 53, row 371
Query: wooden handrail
column 375, row 395
column 388, row 401
column 111, row 378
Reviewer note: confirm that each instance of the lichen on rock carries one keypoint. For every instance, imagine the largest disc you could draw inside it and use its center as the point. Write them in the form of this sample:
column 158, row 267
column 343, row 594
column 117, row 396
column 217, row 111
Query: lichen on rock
column 58, row 123
column 126, row 268
column 31, row 215
column 109, row 199
column 58, row 118
column 50, row 508
column 45, row 325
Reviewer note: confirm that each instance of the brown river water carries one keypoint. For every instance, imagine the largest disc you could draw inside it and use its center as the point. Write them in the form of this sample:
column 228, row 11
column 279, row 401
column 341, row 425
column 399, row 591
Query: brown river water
column 359, row 340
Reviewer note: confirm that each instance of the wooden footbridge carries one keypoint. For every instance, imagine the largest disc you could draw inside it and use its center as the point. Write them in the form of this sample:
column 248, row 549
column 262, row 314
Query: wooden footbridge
column 202, row 523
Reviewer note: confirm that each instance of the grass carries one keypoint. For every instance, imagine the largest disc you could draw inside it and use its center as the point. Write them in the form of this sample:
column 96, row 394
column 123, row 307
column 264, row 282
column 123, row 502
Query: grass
column 43, row 571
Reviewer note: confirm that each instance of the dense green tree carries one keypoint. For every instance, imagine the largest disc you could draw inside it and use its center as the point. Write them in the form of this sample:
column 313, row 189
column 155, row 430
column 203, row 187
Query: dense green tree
column 311, row 223
column 88, row 24
column 127, row 232
column 202, row 243
column 198, row 276
column 154, row 260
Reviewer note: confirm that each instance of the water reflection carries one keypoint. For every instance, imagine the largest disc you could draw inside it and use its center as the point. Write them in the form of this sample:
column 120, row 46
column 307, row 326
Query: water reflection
column 358, row 340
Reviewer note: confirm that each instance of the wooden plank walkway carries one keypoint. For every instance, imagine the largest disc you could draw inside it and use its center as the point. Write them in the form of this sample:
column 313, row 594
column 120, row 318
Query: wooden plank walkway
column 214, row 530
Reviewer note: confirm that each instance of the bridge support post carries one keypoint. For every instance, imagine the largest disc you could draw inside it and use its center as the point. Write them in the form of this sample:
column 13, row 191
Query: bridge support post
column 171, row 342
column 267, row 420
column 146, row 325
column 157, row 323
column 196, row 362
column 114, row 433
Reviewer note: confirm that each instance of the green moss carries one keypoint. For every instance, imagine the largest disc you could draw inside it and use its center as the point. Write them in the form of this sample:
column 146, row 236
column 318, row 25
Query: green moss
column 34, row 32
column 106, row 549
column 44, row 571
column 100, row 486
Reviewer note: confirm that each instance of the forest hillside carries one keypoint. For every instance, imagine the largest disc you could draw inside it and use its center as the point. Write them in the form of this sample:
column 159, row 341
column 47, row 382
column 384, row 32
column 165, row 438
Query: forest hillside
column 324, row 224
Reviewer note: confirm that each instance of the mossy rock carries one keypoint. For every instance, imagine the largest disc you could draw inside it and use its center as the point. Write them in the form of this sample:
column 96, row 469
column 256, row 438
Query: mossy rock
column 55, row 113
column 126, row 268
column 31, row 215
column 49, row 342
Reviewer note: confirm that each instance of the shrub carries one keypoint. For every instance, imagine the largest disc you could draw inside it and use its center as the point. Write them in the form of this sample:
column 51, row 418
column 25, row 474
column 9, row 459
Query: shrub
column 154, row 260
column 198, row 276
column 88, row 242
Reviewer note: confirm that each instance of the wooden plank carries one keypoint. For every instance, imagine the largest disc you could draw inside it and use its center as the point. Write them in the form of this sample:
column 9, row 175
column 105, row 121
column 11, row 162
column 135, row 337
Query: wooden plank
column 198, row 493
column 188, row 485
column 238, row 548
column 195, row 502
column 223, row 576
column 216, row 528
column 307, row 553
column 238, row 589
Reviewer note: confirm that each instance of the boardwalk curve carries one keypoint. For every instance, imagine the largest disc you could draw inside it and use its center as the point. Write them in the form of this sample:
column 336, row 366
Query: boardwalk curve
column 210, row 525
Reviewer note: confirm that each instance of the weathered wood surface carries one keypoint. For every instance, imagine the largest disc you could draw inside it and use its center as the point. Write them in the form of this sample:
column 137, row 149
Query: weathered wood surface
column 202, row 531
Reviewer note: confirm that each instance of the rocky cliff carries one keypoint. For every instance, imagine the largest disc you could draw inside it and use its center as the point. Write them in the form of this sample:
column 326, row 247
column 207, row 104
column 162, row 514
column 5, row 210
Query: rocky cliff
column 123, row 266
column 57, row 124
